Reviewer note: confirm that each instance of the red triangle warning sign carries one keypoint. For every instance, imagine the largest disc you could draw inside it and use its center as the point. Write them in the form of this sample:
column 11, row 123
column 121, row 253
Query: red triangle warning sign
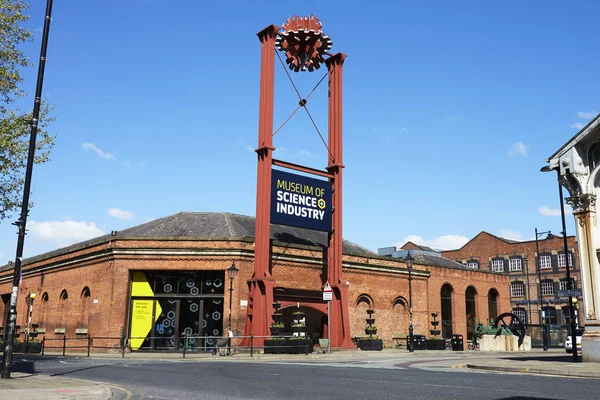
column 327, row 288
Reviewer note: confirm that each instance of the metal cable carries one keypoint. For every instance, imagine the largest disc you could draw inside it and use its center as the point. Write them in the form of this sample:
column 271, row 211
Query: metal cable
column 286, row 121
column 288, row 75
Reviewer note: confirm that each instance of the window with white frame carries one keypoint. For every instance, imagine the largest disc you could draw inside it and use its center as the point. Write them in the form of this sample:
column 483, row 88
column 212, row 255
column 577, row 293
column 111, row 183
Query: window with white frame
column 515, row 264
column 547, row 287
column 545, row 261
column 521, row 313
column 498, row 265
column 562, row 262
column 473, row 264
column 517, row 289
column 563, row 284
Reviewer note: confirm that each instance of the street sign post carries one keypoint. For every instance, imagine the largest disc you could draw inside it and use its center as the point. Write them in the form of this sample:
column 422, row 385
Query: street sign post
column 328, row 296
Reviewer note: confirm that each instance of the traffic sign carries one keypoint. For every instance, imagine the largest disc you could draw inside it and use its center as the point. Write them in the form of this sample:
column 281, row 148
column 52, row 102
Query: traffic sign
column 327, row 292
column 569, row 292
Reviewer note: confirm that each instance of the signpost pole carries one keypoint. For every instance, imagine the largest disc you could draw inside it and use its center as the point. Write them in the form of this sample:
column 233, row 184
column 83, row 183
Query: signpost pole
column 328, row 328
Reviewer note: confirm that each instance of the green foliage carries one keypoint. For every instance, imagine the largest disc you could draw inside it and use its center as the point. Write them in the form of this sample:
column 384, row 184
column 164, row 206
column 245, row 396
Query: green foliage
column 481, row 330
column 297, row 325
column 14, row 123
column 277, row 325
column 371, row 328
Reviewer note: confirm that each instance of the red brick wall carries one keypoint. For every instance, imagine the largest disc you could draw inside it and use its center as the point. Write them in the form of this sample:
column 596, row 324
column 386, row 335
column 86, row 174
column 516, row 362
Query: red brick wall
column 485, row 246
column 383, row 281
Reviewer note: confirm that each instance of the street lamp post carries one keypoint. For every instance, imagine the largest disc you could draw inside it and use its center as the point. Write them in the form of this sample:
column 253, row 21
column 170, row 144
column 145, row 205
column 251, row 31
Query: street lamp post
column 231, row 274
column 409, row 263
column 30, row 298
column 539, row 271
column 568, row 267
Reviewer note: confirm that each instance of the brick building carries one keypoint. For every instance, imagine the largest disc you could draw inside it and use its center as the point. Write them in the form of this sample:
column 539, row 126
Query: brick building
column 155, row 281
column 528, row 283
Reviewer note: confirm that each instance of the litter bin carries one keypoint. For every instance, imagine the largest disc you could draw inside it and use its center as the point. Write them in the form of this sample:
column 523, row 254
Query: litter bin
column 418, row 343
column 457, row 343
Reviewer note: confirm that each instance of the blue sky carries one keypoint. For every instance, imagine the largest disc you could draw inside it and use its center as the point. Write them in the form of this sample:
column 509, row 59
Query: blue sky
column 450, row 110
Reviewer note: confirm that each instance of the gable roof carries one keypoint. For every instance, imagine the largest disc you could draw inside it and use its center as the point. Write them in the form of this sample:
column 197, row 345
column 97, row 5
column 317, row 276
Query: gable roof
column 583, row 132
column 208, row 225
column 509, row 241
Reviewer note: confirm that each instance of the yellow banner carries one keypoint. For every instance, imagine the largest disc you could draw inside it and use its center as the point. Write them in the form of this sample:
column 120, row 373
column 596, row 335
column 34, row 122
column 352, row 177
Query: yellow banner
column 142, row 316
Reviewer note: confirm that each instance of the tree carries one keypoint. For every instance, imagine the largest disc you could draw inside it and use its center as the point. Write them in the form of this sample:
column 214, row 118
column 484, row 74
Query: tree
column 14, row 122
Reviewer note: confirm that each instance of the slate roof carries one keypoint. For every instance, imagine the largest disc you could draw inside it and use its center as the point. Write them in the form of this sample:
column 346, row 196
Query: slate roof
column 207, row 225
column 437, row 261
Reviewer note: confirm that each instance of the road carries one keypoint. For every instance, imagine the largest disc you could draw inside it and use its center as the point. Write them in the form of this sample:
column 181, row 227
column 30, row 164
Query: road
column 341, row 380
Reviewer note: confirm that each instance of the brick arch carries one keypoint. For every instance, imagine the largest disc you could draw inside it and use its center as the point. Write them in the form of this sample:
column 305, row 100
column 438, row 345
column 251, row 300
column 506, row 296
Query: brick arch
column 84, row 308
column 400, row 301
column 365, row 298
column 42, row 316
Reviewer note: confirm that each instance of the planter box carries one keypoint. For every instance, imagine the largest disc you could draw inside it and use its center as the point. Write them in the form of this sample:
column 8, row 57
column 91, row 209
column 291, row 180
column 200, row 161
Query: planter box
column 299, row 346
column 275, row 346
column 371, row 331
column 276, row 330
column 32, row 347
column 370, row 344
column 432, row 344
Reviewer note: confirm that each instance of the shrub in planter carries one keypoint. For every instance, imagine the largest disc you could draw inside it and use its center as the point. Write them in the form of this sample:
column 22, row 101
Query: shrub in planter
column 371, row 330
column 435, row 344
column 370, row 343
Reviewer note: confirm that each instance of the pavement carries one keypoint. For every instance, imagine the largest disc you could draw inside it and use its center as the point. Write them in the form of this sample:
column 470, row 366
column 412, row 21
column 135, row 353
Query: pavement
column 553, row 362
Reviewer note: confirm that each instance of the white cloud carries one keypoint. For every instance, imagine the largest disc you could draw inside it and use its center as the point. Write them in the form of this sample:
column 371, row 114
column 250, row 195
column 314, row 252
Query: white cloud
column 141, row 165
column 245, row 145
column 403, row 129
column 387, row 140
column 586, row 114
column 518, row 149
column 100, row 153
column 120, row 214
column 454, row 118
column 127, row 163
column 283, row 153
column 445, row 242
column 63, row 233
column 577, row 125
column 510, row 234
column 553, row 212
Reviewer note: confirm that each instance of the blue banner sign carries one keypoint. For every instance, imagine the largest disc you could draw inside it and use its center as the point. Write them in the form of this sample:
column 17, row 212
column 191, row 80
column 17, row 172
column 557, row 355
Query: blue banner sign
column 300, row 201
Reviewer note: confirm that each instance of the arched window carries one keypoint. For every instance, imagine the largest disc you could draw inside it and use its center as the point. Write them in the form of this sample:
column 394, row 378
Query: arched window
column 594, row 155
column 365, row 301
column 62, row 309
column 84, row 312
column 492, row 304
column 401, row 318
column 471, row 310
column 446, row 295
column 43, row 311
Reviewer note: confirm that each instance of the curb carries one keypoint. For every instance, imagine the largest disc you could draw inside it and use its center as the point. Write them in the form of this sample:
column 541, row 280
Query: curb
column 540, row 371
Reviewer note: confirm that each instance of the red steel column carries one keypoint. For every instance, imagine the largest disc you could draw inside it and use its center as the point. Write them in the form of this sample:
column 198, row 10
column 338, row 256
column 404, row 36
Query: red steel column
column 339, row 318
column 260, row 296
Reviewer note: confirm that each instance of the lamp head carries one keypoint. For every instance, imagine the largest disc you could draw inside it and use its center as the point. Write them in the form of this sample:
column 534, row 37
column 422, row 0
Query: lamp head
column 409, row 260
column 232, row 271
column 32, row 296
column 574, row 300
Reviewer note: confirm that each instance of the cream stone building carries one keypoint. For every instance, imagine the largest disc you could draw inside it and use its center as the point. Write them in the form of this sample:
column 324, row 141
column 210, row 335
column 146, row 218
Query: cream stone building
column 578, row 166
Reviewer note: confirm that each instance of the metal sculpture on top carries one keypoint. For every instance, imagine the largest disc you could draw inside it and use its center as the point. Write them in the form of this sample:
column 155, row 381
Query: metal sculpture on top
column 303, row 42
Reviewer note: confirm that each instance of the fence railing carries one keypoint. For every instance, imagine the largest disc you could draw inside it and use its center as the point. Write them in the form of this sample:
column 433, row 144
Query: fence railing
column 184, row 344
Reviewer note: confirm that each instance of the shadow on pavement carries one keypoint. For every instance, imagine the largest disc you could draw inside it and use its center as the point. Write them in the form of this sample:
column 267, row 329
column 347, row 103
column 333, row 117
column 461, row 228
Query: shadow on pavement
column 24, row 366
column 560, row 358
